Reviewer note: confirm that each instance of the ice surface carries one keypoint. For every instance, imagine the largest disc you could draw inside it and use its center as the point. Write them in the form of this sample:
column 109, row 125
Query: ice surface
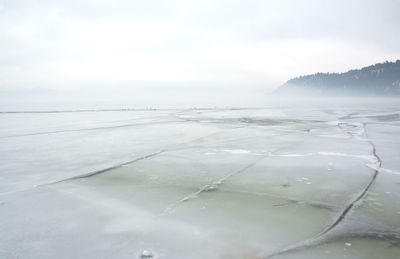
column 283, row 182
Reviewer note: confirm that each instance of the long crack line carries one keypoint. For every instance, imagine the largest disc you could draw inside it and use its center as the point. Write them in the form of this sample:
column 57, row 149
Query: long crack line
column 107, row 169
column 91, row 129
column 320, row 237
column 208, row 187
column 363, row 192
column 175, row 147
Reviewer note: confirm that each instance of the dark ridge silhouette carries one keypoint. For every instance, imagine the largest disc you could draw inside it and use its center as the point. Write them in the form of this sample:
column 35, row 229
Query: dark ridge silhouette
column 382, row 79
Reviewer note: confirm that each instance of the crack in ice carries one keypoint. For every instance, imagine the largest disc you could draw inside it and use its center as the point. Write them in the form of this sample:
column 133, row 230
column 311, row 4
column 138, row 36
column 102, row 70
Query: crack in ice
column 208, row 187
column 321, row 236
column 108, row 168
column 90, row 129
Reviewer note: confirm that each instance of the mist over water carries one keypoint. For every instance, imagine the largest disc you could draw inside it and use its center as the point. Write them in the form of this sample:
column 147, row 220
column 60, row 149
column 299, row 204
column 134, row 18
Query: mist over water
column 199, row 129
column 172, row 98
column 135, row 98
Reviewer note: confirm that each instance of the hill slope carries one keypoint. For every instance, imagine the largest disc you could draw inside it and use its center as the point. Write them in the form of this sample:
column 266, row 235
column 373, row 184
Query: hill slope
column 382, row 79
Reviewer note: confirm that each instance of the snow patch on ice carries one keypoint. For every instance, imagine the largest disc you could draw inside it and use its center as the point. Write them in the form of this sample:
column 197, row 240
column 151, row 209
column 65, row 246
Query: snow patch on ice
column 296, row 155
column 146, row 254
column 389, row 171
column 370, row 158
column 286, row 154
column 333, row 136
column 236, row 151
column 333, row 123
column 374, row 166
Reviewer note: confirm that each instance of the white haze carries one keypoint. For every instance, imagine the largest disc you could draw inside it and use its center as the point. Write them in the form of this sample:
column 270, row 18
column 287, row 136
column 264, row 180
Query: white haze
column 162, row 53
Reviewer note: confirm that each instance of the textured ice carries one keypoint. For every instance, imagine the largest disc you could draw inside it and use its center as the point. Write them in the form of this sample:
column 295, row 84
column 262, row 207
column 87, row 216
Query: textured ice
column 300, row 182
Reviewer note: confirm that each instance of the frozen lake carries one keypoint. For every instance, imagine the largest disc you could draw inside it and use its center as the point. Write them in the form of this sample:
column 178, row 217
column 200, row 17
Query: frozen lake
column 276, row 182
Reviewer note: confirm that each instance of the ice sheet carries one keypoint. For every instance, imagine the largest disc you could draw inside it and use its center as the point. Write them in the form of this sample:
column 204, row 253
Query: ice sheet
column 283, row 182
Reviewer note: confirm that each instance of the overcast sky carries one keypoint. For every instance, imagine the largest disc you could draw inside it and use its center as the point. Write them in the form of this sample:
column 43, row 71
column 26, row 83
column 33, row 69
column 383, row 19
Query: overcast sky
column 180, row 43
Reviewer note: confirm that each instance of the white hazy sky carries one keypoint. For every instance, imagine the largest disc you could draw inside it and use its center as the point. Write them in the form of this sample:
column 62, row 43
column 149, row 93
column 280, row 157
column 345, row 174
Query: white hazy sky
column 180, row 43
